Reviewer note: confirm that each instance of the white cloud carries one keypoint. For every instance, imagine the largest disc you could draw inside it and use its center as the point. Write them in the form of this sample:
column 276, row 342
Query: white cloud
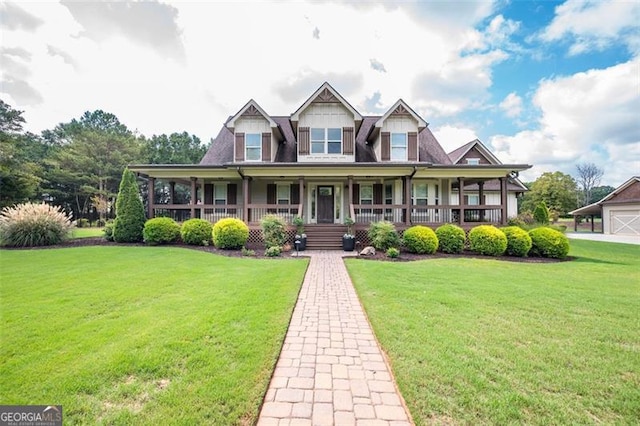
column 453, row 136
column 595, row 24
column 512, row 105
column 590, row 116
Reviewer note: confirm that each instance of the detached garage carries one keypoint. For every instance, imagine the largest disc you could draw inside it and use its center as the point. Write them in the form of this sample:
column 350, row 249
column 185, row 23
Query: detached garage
column 620, row 210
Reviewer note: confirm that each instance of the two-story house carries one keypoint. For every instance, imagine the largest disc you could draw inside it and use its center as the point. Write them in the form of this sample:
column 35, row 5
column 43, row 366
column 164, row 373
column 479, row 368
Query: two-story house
column 326, row 162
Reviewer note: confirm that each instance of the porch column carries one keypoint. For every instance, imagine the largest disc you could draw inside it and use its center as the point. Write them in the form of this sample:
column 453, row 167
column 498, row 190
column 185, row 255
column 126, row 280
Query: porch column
column 461, row 200
column 481, row 200
column 407, row 200
column 172, row 192
column 151, row 190
column 350, row 199
column 194, row 196
column 245, row 199
column 301, row 194
column 503, row 199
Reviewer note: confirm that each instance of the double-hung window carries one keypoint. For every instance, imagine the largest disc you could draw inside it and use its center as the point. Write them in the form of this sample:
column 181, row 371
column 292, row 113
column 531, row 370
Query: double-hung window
column 253, row 146
column 420, row 194
column 326, row 141
column 398, row 146
column 220, row 196
column 283, row 196
column 366, row 196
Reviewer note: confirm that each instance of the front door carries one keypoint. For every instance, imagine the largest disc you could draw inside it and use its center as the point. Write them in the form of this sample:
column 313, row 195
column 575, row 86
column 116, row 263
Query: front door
column 325, row 204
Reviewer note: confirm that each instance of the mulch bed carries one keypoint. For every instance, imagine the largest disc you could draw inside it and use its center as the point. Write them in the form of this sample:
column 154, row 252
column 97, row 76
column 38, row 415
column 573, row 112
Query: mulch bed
column 259, row 252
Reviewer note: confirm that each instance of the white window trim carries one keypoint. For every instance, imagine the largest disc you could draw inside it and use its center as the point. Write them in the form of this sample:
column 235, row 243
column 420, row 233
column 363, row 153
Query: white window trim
column 414, row 197
column 258, row 148
column 215, row 188
column 473, row 161
column 325, row 141
column 406, row 146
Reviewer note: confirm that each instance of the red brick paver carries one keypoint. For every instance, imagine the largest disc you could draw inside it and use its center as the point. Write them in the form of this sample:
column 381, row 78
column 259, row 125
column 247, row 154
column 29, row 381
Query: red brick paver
column 331, row 370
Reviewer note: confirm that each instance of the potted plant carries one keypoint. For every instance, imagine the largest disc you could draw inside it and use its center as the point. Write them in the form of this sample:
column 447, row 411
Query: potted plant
column 300, row 235
column 349, row 239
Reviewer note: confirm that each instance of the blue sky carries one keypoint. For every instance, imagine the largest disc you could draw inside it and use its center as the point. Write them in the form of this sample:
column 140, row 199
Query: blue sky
column 547, row 83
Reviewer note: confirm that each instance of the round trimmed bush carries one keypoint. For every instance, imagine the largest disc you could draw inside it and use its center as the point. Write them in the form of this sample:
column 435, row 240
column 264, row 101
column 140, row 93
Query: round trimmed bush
column 518, row 241
column 197, row 232
column 488, row 240
column 160, row 230
column 420, row 239
column 230, row 233
column 383, row 235
column 547, row 242
column 32, row 224
column 451, row 238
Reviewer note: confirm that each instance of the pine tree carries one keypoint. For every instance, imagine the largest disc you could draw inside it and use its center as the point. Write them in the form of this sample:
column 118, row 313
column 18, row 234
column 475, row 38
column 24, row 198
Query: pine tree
column 130, row 216
column 541, row 213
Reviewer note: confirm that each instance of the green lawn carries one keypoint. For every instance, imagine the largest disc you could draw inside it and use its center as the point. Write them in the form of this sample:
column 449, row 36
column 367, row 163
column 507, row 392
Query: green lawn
column 474, row 341
column 142, row 335
column 87, row 232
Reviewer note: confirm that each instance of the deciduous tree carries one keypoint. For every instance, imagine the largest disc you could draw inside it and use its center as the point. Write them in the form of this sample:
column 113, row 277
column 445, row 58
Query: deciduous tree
column 557, row 190
column 589, row 176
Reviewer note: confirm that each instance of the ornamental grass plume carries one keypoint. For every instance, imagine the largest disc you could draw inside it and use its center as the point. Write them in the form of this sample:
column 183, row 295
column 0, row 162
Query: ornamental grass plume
column 33, row 224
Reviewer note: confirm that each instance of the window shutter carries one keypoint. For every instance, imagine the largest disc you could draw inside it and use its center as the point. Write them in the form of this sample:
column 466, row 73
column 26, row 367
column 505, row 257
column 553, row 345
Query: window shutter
column 386, row 146
column 412, row 150
column 208, row 193
column 266, row 147
column 295, row 196
column 271, row 196
column 239, row 147
column 466, row 200
column 232, row 196
column 356, row 194
column 303, row 139
column 347, row 141
column 377, row 196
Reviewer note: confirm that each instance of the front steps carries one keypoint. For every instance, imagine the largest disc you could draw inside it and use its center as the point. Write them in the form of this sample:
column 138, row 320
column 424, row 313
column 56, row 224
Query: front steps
column 324, row 236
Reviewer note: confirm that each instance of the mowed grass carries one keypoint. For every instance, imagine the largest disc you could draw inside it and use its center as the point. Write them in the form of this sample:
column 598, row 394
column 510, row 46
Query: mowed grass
column 87, row 232
column 142, row 335
column 474, row 341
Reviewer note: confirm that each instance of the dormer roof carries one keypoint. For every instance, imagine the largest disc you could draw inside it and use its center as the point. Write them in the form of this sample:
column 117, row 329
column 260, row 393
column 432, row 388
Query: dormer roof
column 400, row 108
column 326, row 94
column 250, row 109
column 459, row 153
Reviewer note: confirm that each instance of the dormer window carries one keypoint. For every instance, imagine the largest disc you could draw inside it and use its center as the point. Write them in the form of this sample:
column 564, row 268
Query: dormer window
column 253, row 146
column 326, row 141
column 473, row 161
column 398, row 147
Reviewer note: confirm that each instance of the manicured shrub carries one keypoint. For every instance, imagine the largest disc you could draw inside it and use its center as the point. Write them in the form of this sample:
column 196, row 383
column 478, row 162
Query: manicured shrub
column 274, row 230
column 541, row 213
column 273, row 251
column 230, row 233
column 383, row 235
column 420, row 239
column 108, row 231
column 161, row 230
column 451, row 238
column 31, row 224
column 487, row 240
column 197, row 232
column 130, row 216
column 518, row 241
column 393, row 253
column 547, row 242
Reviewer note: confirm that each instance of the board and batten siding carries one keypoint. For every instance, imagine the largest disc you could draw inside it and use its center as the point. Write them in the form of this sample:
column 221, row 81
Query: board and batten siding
column 260, row 125
column 394, row 124
column 326, row 115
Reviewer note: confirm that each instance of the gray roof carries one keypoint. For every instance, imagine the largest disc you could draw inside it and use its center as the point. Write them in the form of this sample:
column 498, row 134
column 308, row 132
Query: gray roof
column 365, row 152
column 287, row 151
column 221, row 149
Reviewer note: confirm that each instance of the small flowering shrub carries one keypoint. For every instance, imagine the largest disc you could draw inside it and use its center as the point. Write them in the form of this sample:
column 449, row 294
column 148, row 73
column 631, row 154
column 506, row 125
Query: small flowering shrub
column 273, row 251
column 383, row 235
column 230, row 233
column 488, row 240
column 197, row 232
column 393, row 253
column 160, row 230
column 451, row 238
column 518, row 241
column 547, row 242
column 31, row 224
column 274, row 230
column 420, row 239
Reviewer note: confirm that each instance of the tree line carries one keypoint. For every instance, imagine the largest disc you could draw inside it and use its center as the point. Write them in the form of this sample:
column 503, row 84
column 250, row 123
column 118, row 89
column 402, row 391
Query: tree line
column 78, row 165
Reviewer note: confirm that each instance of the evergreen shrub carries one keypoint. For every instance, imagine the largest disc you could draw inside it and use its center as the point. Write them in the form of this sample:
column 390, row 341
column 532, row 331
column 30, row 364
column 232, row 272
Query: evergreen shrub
column 518, row 241
column 161, row 230
column 230, row 233
column 487, row 240
column 451, row 238
column 547, row 242
column 383, row 235
column 197, row 232
column 420, row 239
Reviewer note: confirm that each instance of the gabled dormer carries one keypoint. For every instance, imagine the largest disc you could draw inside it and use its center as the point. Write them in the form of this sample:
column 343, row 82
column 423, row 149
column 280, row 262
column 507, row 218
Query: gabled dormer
column 325, row 127
column 256, row 134
column 395, row 134
column 473, row 153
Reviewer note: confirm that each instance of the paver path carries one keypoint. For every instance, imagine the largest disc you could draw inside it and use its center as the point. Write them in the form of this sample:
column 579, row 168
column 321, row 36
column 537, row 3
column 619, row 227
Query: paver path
column 331, row 370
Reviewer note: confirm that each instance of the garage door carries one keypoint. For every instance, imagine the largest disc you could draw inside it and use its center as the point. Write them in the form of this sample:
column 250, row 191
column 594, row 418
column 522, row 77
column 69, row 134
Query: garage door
column 626, row 222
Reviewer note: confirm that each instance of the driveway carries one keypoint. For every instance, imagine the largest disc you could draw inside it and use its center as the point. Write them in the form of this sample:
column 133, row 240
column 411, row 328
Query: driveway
column 626, row 239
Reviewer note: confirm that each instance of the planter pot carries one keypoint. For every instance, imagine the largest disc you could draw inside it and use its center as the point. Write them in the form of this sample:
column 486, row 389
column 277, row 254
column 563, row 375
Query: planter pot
column 303, row 243
column 348, row 244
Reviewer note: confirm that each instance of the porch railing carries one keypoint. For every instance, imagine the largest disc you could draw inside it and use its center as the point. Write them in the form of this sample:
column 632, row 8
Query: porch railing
column 215, row 212
column 425, row 214
column 287, row 211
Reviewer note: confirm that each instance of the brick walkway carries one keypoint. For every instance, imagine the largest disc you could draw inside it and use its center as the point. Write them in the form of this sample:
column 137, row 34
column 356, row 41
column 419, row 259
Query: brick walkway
column 331, row 370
